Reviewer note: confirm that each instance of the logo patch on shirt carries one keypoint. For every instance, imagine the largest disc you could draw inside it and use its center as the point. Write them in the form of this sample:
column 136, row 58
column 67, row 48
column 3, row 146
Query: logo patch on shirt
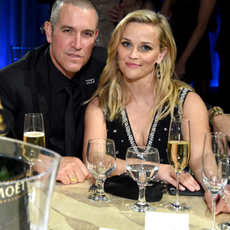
column 90, row 81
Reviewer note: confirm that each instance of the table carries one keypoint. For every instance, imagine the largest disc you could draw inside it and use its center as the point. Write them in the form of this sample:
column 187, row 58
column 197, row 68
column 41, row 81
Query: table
column 71, row 209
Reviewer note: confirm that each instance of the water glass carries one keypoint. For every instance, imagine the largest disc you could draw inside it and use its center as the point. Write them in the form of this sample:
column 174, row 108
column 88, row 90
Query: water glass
column 142, row 164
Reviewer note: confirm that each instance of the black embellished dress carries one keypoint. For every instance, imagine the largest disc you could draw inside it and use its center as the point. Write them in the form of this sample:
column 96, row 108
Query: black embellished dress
column 120, row 131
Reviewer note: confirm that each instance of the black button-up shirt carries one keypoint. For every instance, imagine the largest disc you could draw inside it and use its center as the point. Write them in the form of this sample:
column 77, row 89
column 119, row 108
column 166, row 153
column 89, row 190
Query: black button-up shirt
column 58, row 95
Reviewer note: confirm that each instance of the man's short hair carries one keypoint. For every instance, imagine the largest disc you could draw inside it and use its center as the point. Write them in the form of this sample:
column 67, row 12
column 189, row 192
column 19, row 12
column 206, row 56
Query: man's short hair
column 83, row 4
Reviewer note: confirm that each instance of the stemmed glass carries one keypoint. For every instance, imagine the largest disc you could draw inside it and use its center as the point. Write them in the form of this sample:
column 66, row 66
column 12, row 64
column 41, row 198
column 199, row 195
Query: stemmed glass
column 142, row 164
column 101, row 161
column 34, row 133
column 179, row 150
column 225, row 192
column 213, row 173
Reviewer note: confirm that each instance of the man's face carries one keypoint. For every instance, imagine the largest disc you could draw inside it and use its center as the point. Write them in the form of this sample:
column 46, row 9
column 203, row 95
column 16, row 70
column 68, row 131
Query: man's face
column 73, row 38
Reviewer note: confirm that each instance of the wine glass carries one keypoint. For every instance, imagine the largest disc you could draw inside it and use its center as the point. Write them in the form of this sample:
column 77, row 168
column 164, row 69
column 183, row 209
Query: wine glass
column 213, row 173
column 179, row 150
column 142, row 164
column 34, row 133
column 101, row 161
column 225, row 192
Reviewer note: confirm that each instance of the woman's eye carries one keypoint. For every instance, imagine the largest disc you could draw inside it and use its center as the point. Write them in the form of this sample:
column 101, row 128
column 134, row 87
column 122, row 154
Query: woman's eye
column 126, row 44
column 146, row 48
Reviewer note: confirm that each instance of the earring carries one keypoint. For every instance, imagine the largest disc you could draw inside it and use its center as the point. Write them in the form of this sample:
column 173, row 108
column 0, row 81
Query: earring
column 118, row 67
column 158, row 71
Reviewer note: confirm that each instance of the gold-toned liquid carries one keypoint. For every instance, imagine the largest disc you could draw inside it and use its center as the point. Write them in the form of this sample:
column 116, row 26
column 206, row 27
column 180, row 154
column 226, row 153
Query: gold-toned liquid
column 35, row 138
column 179, row 154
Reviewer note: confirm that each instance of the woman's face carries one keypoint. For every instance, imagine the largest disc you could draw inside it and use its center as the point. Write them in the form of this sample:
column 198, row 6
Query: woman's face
column 139, row 51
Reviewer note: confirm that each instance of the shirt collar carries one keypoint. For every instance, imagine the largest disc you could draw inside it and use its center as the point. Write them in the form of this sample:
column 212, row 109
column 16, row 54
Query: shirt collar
column 58, row 80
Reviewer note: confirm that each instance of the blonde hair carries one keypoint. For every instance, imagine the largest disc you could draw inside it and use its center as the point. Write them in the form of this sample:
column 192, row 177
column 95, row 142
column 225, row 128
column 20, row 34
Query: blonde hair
column 112, row 91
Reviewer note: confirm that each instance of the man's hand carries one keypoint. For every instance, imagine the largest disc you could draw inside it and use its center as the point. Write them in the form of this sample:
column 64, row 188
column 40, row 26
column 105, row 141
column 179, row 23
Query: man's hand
column 72, row 168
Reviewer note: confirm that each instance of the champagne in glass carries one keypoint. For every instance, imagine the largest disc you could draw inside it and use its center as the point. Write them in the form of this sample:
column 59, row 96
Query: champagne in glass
column 142, row 164
column 101, row 161
column 35, row 138
column 213, row 173
column 179, row 150
column 34, row 134
column 179, row 154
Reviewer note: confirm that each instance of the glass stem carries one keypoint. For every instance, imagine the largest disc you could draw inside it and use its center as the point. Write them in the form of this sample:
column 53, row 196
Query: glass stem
column 141, row 197
column 31, row 169
column 213, row 211
column 100, row 187
column 177, row 188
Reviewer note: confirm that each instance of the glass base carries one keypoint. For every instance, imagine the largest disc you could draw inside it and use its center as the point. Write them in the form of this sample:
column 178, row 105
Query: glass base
column 141, row 207
column 208, row 228
column 104, row 197
column 180, row 207
column 224, row 226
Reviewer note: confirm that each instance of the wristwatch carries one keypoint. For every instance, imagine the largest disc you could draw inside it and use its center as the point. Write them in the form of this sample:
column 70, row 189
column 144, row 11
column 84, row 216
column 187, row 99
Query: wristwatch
column 215, row 111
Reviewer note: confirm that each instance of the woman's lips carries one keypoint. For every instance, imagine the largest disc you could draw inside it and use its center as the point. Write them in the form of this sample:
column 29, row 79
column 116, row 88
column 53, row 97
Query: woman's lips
column 132, row 65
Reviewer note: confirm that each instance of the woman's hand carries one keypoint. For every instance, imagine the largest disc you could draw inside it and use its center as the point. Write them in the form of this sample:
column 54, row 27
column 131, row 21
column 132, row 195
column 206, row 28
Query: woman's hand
column 221, row 205
column 116, row 13
column 168, row 174
column 180, row 70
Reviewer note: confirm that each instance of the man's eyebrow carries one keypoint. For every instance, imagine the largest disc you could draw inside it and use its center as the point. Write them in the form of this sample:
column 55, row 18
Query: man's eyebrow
column 72, row 28
column 67, row 27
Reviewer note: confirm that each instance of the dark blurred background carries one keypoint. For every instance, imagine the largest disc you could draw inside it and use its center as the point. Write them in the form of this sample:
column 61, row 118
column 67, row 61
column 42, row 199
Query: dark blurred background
column 20, row 27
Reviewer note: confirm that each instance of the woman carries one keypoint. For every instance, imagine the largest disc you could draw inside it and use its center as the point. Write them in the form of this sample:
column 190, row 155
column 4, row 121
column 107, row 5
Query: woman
column 136, row 95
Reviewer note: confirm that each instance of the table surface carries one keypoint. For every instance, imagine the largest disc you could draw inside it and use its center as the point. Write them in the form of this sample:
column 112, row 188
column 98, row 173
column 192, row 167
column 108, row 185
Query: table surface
column 71, row 209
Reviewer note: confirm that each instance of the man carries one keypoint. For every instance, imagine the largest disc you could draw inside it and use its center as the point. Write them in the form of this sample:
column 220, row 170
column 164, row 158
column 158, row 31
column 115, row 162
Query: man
column 39, row 82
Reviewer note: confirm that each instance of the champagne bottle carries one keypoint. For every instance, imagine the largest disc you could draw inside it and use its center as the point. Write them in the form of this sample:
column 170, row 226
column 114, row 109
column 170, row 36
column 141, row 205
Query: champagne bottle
column 3, row 127
column 14, row 209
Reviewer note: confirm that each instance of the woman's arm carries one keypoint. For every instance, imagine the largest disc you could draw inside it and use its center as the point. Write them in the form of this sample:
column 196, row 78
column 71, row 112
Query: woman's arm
column 166, row 8
column 205, row 10
column 195, row 110
column 95, row 127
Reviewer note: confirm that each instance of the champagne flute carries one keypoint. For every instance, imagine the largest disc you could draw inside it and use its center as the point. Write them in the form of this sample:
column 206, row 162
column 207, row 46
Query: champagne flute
column 142, row 164
column 101, row 161
column 34, row 134
column 213, row 173
column 179, row 150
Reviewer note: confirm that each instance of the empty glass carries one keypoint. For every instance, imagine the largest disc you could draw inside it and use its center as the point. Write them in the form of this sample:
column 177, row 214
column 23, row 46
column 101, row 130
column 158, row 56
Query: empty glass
column 214, row 176
column 225, row 192
column 101, row 161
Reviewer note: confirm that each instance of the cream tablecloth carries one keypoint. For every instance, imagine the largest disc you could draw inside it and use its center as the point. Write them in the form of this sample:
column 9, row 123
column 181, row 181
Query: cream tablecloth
column 71, row 209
